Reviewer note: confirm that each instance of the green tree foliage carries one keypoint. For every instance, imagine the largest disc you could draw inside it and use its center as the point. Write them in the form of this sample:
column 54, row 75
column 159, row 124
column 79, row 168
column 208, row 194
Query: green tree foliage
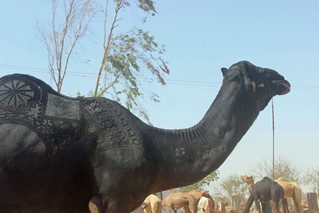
column 126, row 58
column 129, row 55
column 312, row 180
column 200, row 184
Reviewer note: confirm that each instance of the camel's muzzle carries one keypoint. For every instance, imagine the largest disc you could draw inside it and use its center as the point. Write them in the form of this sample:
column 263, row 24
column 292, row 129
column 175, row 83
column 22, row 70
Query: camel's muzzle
column 282, row 87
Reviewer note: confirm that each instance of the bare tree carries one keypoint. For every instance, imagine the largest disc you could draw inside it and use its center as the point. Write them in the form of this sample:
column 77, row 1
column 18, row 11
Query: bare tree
column 312, row 180
column 63, row 36
column 283, row 168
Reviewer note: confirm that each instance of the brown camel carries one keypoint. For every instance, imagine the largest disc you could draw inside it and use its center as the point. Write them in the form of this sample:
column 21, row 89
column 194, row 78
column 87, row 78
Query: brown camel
column 69, row 151
column 291, row 189
column 177, row 200
column 154, row 204
column 198, row 195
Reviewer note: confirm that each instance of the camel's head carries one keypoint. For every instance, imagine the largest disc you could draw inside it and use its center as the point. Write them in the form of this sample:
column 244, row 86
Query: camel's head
column 260, row 83
column 247, row 178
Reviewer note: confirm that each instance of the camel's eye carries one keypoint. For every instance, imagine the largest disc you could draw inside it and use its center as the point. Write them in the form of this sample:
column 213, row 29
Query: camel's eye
column 233, row 78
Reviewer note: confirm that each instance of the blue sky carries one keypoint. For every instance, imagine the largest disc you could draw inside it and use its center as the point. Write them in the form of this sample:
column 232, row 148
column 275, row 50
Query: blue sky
column 201, row 37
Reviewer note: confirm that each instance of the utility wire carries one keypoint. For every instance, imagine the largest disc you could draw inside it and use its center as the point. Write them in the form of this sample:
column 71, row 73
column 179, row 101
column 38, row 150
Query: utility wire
column 86, row 74
column 168, row 81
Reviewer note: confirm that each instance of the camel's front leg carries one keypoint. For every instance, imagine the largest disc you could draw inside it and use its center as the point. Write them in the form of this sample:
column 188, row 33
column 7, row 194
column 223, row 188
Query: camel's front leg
column 266, row 207
column 186, row 209
column 298, row 204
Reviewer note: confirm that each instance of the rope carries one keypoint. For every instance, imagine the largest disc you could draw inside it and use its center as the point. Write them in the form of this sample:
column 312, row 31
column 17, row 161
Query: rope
column 273, row 139
column 273, row 147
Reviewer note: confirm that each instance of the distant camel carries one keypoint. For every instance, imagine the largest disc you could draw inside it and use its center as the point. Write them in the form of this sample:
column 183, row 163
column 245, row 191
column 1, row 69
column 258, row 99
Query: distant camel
column 198, row 195
column 154, row 204
column 264, row 191
column 291, row 189
column 251, row 183
column 179, row 200
column 249, row 180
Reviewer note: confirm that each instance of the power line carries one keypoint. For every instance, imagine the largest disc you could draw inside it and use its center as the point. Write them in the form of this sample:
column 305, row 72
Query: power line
column 168, row 81
column 85, row 74
column 36, row 69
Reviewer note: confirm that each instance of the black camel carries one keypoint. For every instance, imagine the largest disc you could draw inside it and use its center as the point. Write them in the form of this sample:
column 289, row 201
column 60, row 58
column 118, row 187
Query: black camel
column 265, row 191
column 59, row 154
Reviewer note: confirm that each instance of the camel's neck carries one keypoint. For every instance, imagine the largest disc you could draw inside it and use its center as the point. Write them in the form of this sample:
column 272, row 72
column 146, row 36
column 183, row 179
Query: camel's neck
column 188, row 155
column 251, row 186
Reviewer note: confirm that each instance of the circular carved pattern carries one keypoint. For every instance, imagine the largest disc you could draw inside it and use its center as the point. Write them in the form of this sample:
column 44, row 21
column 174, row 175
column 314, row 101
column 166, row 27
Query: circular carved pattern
column 15, row 93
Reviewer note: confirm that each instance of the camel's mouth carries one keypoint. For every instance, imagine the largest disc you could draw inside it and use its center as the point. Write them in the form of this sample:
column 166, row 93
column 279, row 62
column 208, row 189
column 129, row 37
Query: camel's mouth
column 282, row 86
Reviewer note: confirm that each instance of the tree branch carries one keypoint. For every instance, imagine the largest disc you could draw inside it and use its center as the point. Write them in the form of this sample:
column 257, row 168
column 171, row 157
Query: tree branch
column 110, row 85
column 106, row 49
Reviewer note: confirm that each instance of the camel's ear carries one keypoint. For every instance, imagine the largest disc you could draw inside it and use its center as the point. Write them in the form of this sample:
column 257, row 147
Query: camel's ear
column 224, row 71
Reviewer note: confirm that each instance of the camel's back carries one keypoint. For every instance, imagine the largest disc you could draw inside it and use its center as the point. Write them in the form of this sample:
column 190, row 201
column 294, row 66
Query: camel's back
column 152, row 199
column 282, row 179
column 288, row 186
column 29, row 105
